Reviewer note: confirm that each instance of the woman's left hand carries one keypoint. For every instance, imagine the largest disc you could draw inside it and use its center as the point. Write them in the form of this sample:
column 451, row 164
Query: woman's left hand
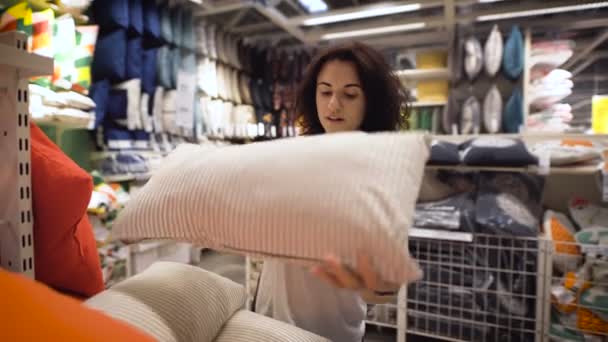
column 364, row 278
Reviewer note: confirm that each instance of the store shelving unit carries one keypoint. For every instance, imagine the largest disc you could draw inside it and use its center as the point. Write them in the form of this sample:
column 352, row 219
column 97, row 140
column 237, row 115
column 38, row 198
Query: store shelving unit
column 16, row 216
column 414, row 75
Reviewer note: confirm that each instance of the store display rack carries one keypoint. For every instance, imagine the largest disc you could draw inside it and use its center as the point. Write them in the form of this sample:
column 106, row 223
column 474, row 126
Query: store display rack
column 16, row 217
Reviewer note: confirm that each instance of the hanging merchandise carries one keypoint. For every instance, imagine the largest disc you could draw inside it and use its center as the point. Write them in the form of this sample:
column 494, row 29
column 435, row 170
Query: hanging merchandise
column 134, row 59
column 449, row 116
column 513, row 58
column 458, row 59
column 493, row 51
column 470, row 118
column 111, row 14
column 473, row 57
column 492, row 110
column 152, row 24
column 211, row 42
column 201, row 37
column 513, row 117
column 110, row 56
column 425, row 120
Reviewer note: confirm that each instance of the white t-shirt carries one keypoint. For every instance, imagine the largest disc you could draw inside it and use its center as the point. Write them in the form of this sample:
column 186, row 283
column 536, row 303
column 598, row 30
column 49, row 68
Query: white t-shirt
column 293, row 295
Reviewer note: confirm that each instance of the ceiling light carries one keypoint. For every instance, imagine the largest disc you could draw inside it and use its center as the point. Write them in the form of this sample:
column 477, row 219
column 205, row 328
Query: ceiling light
column 366, row 13
column 551, row 10
column 314, row 6
column 373, row 31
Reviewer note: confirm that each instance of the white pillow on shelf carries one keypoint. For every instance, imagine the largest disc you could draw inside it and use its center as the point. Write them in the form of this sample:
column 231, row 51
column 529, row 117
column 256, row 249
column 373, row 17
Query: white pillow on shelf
column 297, row 199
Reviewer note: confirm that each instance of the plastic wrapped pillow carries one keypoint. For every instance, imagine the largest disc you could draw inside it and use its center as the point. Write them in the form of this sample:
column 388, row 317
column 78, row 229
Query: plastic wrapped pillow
column 505, row 214
column 492, row 110
column 196, row 196
column 473, row 61
column 495, row 151
column 111, row 14
column 110, row 56
column 444, row 153
column 567, row 257
column 560, row 154
column 493, row 51
column 513, row 58
column 513, row 117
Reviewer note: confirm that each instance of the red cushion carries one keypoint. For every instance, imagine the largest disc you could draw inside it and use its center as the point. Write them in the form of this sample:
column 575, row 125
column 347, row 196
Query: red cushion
column 31, row 311
column 64, row 245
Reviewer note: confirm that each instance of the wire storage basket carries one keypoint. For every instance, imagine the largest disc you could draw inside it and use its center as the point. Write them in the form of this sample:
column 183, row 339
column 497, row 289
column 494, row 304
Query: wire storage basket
column 487, row 289
column 577, row 305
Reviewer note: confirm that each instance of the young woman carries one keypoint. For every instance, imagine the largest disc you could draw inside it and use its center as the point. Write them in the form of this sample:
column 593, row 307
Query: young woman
column 345, row 88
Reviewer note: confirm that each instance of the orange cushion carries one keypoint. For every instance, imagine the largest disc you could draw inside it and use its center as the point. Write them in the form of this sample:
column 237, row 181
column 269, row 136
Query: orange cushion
column 31, row 311
column 64, row 245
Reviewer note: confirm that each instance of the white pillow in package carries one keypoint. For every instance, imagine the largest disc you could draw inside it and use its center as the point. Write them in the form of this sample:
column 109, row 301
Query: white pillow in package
column 298, row 199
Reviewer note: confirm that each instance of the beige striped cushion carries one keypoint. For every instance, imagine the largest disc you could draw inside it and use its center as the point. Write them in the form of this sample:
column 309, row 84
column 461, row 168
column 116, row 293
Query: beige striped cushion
column 173, row 302
column 298, row 199
column 246, row 326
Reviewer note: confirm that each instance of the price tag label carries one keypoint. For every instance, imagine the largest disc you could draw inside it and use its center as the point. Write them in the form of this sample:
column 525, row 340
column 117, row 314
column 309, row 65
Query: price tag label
column 186, row 88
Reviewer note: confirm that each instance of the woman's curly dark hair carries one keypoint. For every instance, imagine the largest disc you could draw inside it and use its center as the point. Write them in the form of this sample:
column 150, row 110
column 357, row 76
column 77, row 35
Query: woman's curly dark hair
column 387, row 107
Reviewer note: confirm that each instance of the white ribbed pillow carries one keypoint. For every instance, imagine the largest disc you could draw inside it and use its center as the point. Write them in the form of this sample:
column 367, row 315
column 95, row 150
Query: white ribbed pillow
column 298, row 199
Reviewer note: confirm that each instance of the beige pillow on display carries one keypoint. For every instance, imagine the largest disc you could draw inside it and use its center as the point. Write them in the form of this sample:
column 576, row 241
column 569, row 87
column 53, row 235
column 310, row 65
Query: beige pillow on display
column 298, row 199
column 173, row 302
column 246, row 326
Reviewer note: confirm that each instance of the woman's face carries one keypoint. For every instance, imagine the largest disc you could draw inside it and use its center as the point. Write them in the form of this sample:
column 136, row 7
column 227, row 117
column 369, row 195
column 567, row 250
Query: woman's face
column 339, row 97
